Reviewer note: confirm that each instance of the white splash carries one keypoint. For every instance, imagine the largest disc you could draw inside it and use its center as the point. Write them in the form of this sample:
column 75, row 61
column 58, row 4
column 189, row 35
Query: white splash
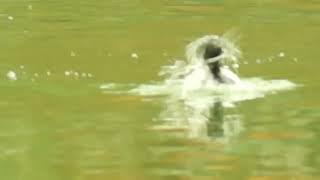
column 194, row 101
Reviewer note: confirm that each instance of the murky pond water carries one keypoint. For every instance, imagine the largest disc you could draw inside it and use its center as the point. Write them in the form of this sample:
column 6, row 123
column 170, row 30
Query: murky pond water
column 58, row 123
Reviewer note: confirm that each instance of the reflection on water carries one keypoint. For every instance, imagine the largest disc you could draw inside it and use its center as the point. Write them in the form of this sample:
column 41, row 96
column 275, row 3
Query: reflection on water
column 207, row 121
column 221, row 125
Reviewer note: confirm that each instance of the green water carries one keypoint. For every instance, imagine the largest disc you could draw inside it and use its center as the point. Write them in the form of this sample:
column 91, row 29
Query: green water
column 65, row 127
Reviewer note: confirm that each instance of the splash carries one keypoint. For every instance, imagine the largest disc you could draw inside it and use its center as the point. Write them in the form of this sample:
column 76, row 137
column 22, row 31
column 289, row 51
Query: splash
column 194, row 101
column 175, row 76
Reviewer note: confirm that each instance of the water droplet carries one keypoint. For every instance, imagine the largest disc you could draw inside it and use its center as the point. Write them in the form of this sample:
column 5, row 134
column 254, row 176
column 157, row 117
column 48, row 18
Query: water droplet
column 295, row 59
column 36, row 75
column 258, row 61
column 90, row 75
column 10, row 18
column 12, row 76
column 233, row 58
column 22, row 67
column 48, row 73
column 235, row 66
column 281, row 54
column 30, row 7
column 67, row 73
column 134, row 56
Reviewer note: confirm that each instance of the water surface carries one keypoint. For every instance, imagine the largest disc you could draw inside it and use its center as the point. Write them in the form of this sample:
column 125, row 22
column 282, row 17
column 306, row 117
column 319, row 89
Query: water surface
column 62, row 126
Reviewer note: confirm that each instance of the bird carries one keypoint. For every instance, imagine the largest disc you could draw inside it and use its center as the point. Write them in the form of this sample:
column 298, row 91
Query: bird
column 207, row 56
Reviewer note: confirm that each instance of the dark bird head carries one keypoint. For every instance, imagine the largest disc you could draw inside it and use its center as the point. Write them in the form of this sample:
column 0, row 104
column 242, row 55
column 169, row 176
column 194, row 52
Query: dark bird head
column 215, row 52
column 211, row 54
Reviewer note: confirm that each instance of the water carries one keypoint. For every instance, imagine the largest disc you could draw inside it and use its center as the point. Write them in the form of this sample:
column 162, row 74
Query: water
column 58, row 126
